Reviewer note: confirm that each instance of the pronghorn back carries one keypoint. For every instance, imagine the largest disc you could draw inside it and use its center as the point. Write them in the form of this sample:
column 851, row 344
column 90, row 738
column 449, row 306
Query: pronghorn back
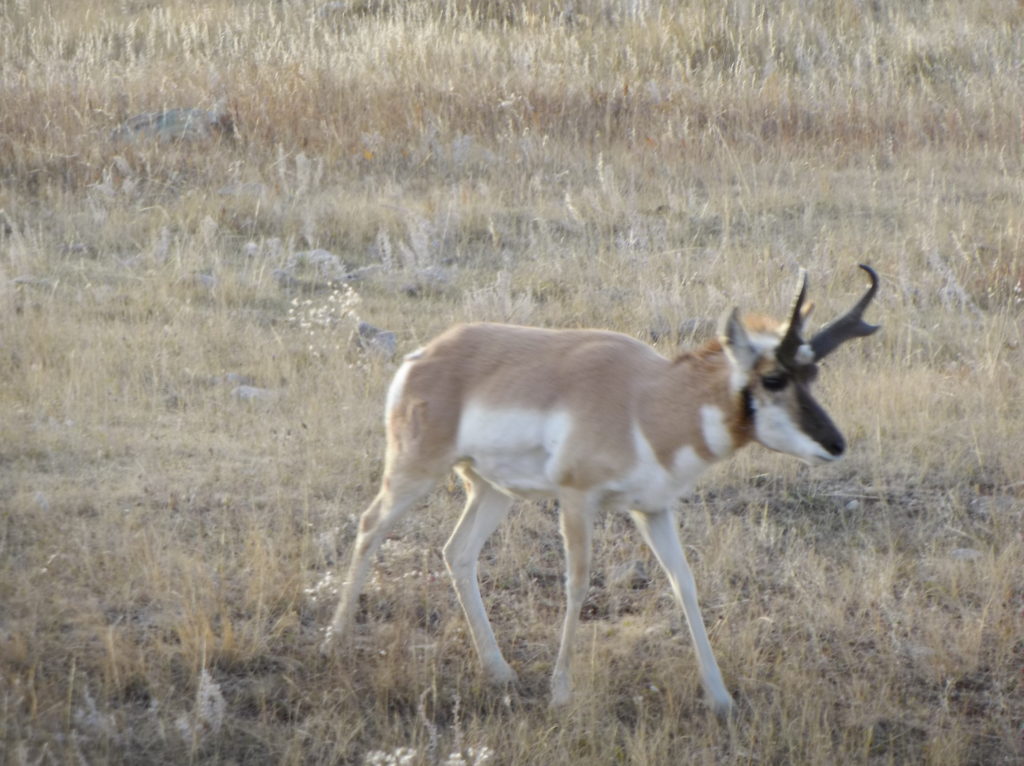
column 584, row 403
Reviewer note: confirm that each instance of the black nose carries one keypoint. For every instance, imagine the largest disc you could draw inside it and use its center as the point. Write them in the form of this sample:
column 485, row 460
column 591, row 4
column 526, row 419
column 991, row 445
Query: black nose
column 836, row 446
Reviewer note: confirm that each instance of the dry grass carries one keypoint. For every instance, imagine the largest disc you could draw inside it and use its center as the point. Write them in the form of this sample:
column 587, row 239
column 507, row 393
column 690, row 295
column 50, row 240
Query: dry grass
column 166, row 547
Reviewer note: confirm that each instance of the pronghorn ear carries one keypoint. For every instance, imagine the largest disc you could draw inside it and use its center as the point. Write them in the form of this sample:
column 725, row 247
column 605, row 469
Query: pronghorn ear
column 736, row 342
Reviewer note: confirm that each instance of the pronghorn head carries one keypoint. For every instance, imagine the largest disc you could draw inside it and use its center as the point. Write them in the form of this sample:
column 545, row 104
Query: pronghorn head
column 774, row 367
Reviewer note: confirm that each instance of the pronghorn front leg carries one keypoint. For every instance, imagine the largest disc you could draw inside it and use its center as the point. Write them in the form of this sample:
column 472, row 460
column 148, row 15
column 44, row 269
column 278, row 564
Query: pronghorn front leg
column 660, row 533
column 577, row 521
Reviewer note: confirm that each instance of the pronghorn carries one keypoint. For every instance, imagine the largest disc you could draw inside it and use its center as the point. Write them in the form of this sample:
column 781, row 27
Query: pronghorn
column 594, row 418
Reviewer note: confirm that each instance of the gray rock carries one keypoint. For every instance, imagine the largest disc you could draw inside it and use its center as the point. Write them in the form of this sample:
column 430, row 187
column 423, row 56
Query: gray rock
column 243, row 190
column 286, row 280
column 965, row 554
column 373, row 340
column 80, row 249
column 322, row 262
column 201, row 279
column 30, row 281
column 237, row 379
column 364, row 272
column 177, row 125
column 631, row 575
column 311, row 270
column 253, row 394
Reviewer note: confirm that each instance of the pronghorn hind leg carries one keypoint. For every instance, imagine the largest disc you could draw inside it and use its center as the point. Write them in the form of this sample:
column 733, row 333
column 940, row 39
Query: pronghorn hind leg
column 660, row 533
column 577, row 521
column 396, row 496
column 486, row 507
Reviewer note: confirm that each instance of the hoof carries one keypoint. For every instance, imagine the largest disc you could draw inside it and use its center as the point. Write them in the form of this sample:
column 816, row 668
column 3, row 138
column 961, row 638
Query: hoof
column 502, row 675
column 724, row 708
column 561, row 694
column 559, row 701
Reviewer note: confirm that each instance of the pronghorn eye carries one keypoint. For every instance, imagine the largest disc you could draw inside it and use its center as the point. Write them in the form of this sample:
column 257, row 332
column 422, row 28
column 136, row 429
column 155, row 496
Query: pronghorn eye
column 774, row 382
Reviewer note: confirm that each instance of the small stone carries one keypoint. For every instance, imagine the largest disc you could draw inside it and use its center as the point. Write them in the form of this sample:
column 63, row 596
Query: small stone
column 177, row 125
column 323, row 263
column 965, row 554
column 631, row 575
column 285, row 279
column 79, row 248
column 363, row 272
column 920, row 651
column 373, row 340
column 253, row 394
column 30, row 281
column 243, row 190
column 237, row 379
column 201, row 279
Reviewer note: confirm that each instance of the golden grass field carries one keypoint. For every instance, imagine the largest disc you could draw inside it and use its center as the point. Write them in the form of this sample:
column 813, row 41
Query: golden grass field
column 169, row 547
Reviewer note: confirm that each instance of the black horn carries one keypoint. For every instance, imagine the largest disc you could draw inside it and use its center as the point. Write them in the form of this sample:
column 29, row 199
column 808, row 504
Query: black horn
column 850, row 325
column 791, row 340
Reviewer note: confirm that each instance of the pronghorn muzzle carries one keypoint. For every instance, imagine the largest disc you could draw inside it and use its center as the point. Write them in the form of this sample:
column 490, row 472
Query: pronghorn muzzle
column 815, row 422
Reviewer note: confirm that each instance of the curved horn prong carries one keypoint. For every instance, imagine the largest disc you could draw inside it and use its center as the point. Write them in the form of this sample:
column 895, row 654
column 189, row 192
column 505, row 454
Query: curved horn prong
column 850, row 325
column 791, row 340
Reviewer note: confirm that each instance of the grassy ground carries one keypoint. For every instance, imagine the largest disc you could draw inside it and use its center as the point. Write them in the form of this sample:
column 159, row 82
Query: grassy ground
column 167, row 546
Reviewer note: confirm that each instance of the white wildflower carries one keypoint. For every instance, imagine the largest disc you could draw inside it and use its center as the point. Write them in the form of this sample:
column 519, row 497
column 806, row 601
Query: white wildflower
column 90, row 721
column 326, row 587
column 320, row 320
column 208, row 717
column 401, row 756
column 474, row 756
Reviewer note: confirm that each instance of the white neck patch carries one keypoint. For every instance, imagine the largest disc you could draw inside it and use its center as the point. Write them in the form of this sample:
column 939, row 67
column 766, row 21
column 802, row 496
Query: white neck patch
column 715, row 432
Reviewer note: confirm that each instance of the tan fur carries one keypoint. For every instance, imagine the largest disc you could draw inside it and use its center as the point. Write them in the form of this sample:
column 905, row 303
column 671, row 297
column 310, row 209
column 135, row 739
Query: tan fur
column 759, row 323
column 605, row 379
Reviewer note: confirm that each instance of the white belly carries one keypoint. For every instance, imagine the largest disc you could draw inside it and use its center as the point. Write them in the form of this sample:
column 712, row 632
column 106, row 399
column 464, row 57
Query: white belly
column 518, row 449
column 650, row 486
column 513, row 448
